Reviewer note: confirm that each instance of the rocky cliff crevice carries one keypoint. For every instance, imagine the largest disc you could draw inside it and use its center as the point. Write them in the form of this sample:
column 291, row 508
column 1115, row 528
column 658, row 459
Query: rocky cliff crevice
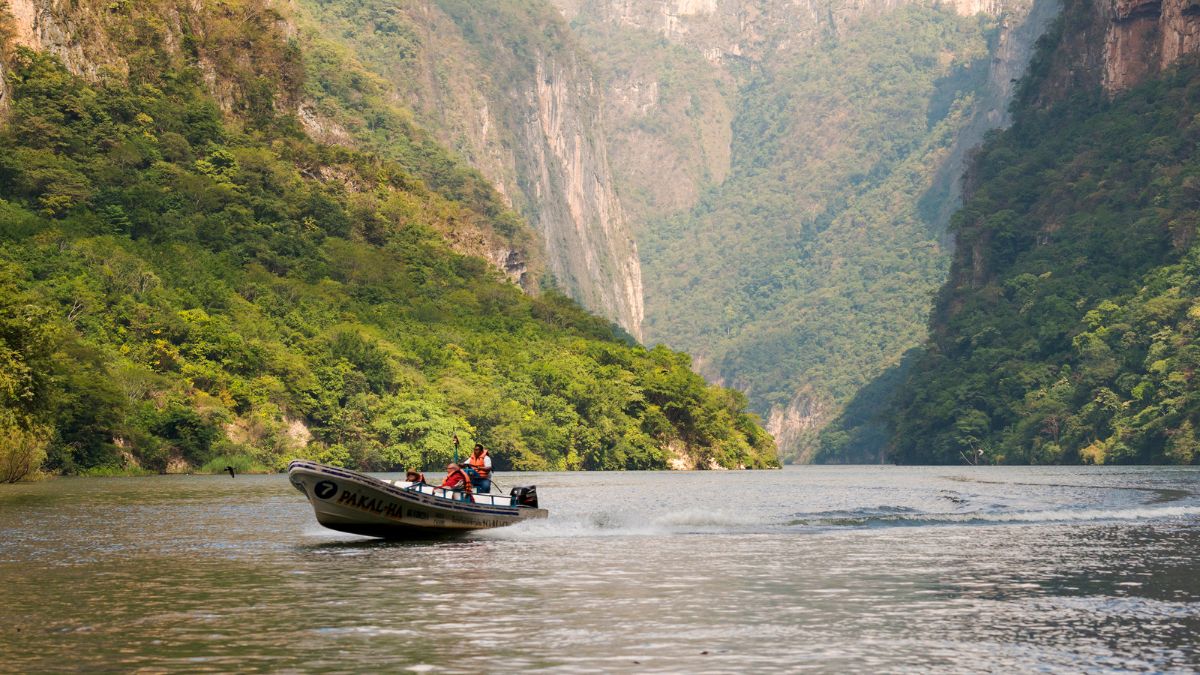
column 1014, row 44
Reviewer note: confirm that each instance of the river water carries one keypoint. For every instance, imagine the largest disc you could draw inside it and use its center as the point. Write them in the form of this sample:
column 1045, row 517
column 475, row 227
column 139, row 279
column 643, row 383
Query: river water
column 824, row 568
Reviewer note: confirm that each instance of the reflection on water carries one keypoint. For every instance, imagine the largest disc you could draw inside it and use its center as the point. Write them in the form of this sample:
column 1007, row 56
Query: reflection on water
column 830, row 568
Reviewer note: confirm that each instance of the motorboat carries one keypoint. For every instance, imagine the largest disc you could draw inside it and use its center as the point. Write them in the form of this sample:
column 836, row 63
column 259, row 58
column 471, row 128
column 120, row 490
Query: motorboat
column 354, row 502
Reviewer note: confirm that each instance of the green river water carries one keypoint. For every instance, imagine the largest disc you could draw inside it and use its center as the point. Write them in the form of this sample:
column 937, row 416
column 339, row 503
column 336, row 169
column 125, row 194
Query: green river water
column 832, row 569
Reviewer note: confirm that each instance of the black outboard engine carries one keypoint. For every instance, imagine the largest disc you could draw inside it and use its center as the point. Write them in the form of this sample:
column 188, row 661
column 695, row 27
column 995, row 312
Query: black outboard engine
column 524, row 496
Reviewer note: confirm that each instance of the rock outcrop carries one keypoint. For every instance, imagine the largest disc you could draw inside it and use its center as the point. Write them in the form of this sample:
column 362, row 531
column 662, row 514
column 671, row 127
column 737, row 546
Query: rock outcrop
column 588, row 243
column 796, row 424
column 506, row 87
column 1115, row 44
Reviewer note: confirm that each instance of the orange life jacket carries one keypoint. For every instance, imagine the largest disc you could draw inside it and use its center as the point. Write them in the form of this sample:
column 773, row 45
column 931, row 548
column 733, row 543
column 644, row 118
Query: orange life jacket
column 477, row 463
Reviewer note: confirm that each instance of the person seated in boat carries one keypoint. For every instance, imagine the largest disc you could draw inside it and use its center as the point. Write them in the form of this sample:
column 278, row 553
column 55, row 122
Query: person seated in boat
column 481, row 463
column 415, row 477
column 457, row 480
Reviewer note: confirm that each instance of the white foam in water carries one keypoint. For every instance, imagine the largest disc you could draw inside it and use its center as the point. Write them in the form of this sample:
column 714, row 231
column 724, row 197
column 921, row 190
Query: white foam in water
column 703, row 518
column 612, row 524
column 626, row 524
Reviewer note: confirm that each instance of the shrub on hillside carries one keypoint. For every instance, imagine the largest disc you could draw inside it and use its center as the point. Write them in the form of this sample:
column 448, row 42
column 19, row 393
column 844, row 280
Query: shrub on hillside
column 22, row 452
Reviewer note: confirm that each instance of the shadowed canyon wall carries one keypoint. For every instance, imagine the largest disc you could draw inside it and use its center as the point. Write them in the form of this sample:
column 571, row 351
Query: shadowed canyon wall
column 1066, row 330
column 773, row 181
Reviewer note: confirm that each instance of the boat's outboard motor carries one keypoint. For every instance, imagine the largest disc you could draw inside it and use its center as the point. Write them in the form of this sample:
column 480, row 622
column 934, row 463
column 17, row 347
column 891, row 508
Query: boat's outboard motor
column 524, row 496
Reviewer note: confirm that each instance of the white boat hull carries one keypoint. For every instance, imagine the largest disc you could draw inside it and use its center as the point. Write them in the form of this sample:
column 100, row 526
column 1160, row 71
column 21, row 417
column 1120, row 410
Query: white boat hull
column 349, row 501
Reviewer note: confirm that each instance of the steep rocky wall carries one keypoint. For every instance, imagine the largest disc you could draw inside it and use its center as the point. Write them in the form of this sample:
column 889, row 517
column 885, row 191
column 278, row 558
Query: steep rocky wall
column 505, row 86
column 587, row 239
column 671, row 101
column 1115, row 44
column 747, row 29
column 676, row 75
column 65, row 28
column 1019, row 31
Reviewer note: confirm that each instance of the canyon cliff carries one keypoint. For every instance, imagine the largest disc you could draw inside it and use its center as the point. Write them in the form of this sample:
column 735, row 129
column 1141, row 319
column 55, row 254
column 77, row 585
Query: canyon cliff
column 1116, row 44
column 769, row 192
column 224, row 242
column 1065, row 332
column 505, row 86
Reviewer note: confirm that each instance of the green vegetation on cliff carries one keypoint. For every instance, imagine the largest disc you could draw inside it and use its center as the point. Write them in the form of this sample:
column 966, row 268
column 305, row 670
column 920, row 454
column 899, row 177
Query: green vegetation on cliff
column 181, row 287
column 809, row 270
column 1067, row 332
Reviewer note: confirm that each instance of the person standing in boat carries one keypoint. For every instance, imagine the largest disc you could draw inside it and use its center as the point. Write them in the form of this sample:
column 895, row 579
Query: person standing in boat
column 457, row 479
column 481, row 463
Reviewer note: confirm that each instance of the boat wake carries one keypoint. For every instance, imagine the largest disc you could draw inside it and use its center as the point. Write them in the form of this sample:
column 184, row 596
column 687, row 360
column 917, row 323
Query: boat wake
column 698, row 521
column 625, row 524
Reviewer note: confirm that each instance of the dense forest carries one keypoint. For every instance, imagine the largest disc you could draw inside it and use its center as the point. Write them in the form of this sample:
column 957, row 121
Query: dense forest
column 189, row 281
column 809, row 270
column 1067, row 332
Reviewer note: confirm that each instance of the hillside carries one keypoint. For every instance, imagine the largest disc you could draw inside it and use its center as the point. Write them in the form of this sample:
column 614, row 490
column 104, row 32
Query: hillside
column 504, row 84
column 790, row 170
column 188, row 278
column 1066, row 333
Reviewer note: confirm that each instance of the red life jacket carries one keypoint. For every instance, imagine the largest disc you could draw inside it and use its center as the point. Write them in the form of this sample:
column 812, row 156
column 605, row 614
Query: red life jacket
column 478, row 464
column 451, row 482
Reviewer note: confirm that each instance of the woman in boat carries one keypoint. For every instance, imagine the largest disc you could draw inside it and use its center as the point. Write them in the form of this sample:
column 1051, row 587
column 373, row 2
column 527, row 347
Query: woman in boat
column 415, row 477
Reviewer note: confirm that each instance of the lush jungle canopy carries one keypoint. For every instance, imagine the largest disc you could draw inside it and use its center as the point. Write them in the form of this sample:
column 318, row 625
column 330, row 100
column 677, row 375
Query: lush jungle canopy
column 1067, row 332
column 183, row 286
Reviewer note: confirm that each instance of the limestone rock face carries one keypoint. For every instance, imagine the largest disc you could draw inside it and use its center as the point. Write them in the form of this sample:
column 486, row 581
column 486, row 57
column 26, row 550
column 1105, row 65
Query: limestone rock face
column 796, row 424
column 587, row 239
column 1146, row 36
column 62, row 27
column 531, row 118
column 1115, row 44
column 676, row 77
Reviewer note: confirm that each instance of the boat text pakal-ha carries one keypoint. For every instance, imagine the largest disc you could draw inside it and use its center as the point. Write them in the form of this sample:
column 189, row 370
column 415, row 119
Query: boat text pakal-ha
column 353, row 502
